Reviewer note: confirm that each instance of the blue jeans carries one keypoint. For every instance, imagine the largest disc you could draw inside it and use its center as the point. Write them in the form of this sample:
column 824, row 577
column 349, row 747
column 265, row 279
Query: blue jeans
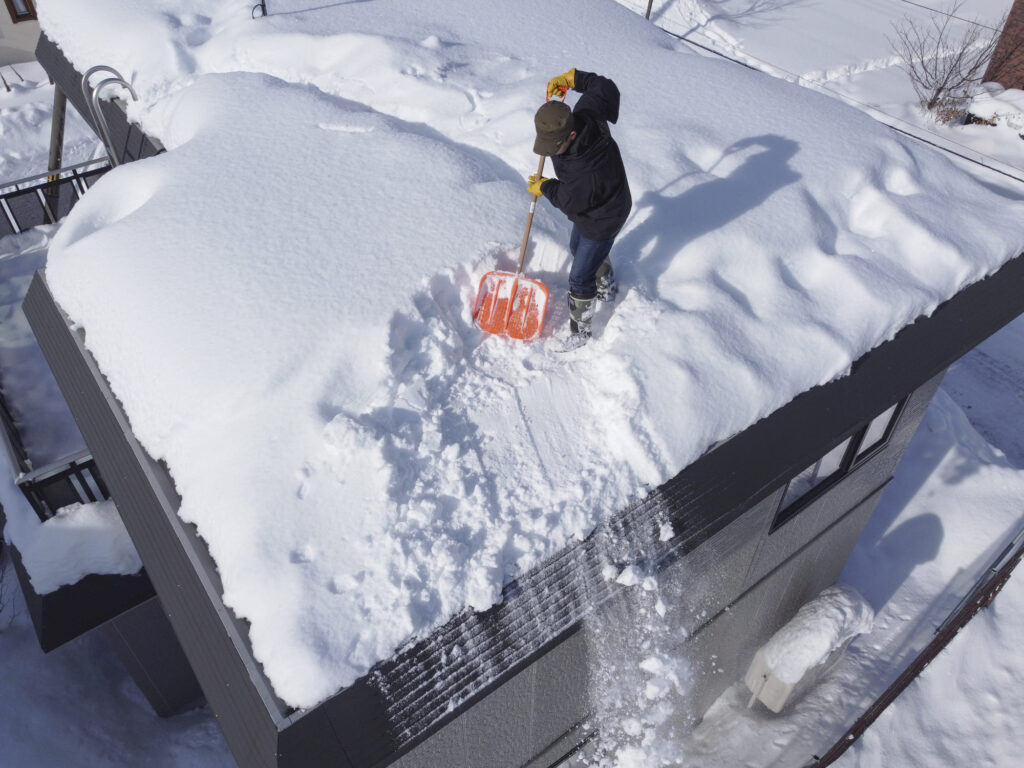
column 587, row 256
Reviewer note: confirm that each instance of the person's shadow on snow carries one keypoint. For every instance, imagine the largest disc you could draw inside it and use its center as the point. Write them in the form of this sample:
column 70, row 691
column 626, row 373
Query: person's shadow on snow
column 676, row 220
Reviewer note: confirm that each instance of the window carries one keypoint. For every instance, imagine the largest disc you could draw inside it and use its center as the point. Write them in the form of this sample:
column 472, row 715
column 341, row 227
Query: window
column 854, row 450
column 21, row 10
column 823, row 469
column 877, row 432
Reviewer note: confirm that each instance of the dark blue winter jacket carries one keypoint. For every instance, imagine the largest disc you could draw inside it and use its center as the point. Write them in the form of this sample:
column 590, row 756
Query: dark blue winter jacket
column 591, row 188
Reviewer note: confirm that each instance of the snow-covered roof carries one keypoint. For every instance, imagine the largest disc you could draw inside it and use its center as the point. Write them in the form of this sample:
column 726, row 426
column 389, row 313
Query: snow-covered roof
column 281, row 302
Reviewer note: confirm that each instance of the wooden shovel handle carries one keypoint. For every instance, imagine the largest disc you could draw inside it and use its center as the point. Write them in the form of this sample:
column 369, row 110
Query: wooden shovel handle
column 529, row 220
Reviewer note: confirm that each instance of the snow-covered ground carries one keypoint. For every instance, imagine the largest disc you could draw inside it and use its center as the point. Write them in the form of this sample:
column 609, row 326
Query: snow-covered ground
column 844, row 49
column 956, row 501
column 451, row 118
column 25, row 115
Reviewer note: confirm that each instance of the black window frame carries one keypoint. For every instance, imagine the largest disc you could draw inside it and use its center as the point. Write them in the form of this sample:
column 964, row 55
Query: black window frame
column 866, row 454
column 853, row 457
column 17, row 16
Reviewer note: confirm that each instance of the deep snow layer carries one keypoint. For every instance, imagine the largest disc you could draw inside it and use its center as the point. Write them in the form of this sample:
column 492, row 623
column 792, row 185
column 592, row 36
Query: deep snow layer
column 281, row 302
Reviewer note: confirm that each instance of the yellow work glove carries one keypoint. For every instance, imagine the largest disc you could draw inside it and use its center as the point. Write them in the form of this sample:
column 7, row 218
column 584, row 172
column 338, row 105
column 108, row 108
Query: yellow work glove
column 560, row 84
column 534, row 184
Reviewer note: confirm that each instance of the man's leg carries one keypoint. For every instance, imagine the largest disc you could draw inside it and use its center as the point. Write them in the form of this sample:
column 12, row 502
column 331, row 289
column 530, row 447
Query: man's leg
column 607, row 288
column 588, row 256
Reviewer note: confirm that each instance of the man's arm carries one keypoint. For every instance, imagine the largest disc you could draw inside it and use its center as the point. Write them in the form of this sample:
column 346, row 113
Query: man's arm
column 560, row 195
column 600, row 94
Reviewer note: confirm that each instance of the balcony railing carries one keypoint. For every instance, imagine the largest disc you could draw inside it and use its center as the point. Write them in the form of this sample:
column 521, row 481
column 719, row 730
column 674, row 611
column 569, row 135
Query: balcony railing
column 47, row 197
column 26, row 203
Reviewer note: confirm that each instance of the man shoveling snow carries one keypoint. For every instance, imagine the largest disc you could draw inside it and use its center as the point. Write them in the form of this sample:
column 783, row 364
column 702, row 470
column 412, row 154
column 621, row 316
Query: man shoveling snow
column 591, row 188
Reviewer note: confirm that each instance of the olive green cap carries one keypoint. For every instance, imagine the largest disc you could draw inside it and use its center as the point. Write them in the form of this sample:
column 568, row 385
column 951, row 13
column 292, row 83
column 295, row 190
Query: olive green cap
column 554, row 124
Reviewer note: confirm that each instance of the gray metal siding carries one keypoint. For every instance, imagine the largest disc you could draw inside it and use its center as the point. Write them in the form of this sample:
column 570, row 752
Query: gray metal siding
column 146, row 505
column 722, row 650
column 860, row 483
column 543, row 697
column 144, row 641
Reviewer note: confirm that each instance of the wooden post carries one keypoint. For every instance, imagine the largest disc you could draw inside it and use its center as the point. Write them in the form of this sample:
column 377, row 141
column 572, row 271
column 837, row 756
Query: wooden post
column 52, row 193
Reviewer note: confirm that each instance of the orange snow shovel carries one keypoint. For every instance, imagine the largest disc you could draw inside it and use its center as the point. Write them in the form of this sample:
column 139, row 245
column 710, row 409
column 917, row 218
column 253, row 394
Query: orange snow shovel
column 510, row 304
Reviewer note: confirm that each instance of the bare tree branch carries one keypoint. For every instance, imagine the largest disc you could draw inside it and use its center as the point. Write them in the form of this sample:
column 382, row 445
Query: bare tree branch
column 944, row 66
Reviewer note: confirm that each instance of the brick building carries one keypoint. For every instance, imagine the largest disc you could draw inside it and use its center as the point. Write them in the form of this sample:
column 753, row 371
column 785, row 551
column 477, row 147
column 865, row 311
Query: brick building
column 1007, row 64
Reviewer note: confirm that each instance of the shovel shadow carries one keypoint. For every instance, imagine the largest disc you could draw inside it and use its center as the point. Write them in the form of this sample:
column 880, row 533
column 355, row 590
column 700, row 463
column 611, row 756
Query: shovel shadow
column 674, row 221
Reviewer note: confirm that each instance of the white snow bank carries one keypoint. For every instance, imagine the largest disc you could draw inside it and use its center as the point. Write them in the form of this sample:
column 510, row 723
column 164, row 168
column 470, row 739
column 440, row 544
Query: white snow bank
column 79, row 540
column 819, row 628
column 281, row 302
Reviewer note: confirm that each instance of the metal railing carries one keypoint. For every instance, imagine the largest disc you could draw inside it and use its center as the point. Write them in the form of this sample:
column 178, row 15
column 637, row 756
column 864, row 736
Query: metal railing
column 71, row 479
column 46, row 197
column 26, row 203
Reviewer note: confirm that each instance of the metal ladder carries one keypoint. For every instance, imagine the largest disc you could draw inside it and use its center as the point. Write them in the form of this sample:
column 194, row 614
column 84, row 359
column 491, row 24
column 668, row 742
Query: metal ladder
column 93, row 103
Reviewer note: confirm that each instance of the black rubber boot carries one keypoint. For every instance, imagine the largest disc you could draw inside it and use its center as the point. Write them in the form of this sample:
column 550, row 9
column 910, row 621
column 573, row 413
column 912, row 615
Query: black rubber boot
column 607, row 288
column 581, row 314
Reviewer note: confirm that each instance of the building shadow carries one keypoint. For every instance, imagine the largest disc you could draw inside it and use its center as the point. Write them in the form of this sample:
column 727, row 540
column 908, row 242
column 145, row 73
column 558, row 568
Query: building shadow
column 672, row 221
column 889, row 563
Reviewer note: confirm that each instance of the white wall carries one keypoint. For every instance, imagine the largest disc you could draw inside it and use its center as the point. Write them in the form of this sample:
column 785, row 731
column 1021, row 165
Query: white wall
column 17, row 41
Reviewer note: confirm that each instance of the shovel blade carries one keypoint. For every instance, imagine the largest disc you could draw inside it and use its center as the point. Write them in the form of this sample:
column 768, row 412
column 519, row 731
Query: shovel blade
column 494, row 301
column 529, row 306
column 510, row 305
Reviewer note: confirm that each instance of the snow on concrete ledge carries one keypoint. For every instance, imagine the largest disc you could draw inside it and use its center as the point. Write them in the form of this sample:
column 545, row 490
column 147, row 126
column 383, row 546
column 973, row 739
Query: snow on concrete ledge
column 282, row 301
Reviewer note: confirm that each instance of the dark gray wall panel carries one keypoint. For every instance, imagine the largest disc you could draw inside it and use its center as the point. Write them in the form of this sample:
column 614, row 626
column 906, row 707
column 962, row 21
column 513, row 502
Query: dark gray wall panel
column 543, row 696
column 861, row 483
column 715, row 573
column 75, row 609
column 144, row 641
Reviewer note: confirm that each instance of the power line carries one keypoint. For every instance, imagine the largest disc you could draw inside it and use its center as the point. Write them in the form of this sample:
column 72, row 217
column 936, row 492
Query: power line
column 911, row 131
column 975, row 22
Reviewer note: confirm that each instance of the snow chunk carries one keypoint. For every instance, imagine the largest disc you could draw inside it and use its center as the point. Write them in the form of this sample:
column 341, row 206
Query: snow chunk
column 79, row 540
column 818, row 629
